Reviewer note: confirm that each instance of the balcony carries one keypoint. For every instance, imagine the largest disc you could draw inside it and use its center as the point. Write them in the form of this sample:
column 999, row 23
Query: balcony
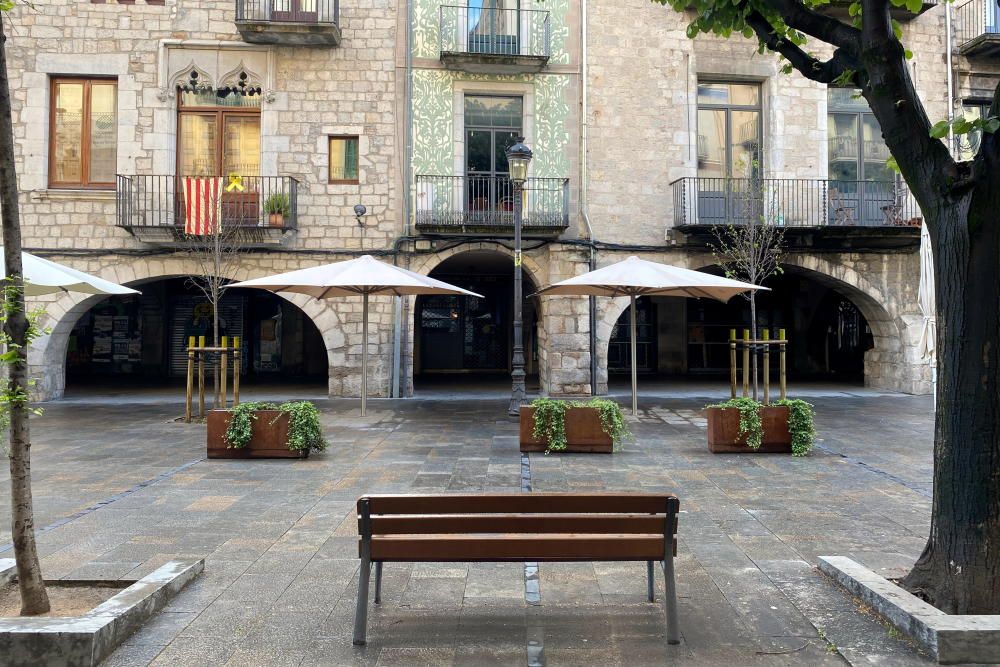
column 977, row 28
column 816, row 213
column 485, row 205
column 494, row 41
column 154, row 209
column 289, row 22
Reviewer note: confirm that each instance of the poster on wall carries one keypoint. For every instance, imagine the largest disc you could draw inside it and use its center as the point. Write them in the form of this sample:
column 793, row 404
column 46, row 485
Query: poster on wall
column 268, row 358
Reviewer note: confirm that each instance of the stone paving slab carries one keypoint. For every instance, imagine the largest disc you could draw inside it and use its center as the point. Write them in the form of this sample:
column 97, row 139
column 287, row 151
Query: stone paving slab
column 280, row 549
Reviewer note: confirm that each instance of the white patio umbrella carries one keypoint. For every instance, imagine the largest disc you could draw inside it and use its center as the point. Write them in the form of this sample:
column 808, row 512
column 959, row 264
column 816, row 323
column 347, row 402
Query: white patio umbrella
column 363, row 276
column 925, row 299
column 42, row 276
column 636, row 277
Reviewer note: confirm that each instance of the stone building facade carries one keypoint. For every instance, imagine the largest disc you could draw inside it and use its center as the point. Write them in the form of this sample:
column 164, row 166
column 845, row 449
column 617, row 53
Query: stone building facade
column 612, row 98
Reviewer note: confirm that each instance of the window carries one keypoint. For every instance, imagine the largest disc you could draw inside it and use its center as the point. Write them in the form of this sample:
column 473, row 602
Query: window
column 729, row 130
column 218, row 133
column 856, row 150
column 968, row 144
column 492, row 125
column 344, row 159
column 493, row 26
column 83, row 133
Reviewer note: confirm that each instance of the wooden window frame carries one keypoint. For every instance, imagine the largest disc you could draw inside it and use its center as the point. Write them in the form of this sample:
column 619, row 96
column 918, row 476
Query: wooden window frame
column 87, row 81
column 220, row 114
column 329, row 156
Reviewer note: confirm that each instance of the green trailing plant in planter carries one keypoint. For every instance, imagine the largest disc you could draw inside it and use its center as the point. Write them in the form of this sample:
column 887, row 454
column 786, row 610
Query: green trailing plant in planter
column 304, row 430
column 800, row 422
column 800, row 425
column 550, row 421
column 750, row 423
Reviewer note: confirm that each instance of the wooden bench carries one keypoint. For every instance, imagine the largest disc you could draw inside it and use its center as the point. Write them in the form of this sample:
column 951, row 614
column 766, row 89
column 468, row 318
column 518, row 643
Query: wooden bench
column 517, row 527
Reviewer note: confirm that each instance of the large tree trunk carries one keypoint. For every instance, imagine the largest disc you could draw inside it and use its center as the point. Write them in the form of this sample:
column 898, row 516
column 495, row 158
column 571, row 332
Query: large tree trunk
column 34, row 599
column 959, row 569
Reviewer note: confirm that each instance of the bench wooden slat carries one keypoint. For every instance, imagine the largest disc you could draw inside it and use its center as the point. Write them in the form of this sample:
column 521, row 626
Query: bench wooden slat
column 518, row 523
column 520, row 503
column 495, row 548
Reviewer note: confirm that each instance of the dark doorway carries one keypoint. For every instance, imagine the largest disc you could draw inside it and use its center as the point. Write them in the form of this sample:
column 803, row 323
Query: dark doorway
column 470, row 336
column 142, row 339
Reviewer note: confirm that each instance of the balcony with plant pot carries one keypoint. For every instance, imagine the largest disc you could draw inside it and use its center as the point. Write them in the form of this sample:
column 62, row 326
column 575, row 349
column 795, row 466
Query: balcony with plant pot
column 313, row 23
column 163, row 209
column 494, row 40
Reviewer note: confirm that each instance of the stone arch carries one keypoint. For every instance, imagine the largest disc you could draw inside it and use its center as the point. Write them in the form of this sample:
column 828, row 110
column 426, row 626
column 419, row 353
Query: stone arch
column 886, row 365
column 425, row 264
column 47, row 355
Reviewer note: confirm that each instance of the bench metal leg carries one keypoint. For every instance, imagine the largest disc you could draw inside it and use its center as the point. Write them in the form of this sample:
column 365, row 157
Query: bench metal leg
column 378, row 582
column 361, row 615
column 670, row 601
column 650, row 579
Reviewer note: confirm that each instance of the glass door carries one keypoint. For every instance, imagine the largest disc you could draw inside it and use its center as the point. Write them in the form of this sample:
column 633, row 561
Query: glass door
column 492, row 125
column 494, row 26
column 862, row 187
column 302, row 11
column 729, row 151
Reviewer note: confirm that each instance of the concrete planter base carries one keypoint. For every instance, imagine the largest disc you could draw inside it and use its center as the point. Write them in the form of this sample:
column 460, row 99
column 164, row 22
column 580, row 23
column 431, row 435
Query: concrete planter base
column 87, row 640
column 950, row 639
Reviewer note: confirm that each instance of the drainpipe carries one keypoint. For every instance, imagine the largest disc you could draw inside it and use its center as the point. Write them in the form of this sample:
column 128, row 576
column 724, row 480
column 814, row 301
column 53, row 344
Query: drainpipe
column 584, row 213
column 397, row 303
column 951, row 79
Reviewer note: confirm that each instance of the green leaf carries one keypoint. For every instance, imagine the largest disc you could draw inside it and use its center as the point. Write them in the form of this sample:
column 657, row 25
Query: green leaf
column 940, row 129
column 892, row 164
column 991, row 125
column 914, row 6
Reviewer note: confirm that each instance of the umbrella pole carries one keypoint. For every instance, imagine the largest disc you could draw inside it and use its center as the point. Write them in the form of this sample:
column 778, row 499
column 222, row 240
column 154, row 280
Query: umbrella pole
column 635, row 403
column 364, row 353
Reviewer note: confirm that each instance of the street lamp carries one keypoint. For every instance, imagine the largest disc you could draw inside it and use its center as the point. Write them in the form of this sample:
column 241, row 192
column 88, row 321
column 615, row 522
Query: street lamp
column 518, row 157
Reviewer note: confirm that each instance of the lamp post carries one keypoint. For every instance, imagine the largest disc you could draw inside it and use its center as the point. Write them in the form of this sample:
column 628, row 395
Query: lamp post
column 518, row 157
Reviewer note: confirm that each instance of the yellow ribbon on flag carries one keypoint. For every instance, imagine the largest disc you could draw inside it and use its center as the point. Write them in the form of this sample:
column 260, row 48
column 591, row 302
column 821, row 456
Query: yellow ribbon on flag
column 235, row 183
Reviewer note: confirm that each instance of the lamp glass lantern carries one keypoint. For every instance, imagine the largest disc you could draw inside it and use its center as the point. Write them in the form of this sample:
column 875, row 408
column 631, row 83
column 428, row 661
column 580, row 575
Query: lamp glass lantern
column 518, row 157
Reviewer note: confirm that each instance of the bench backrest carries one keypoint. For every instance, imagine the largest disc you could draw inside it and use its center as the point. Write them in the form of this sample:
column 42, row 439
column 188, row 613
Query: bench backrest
column 606, row 516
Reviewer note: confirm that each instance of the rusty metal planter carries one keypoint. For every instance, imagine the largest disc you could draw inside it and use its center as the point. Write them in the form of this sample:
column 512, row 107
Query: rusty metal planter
column 584, row 432
column 268, row 439
column 724, row 431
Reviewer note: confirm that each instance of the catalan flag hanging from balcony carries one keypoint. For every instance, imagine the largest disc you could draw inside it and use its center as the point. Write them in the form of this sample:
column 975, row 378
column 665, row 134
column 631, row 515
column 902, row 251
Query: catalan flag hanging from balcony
column 201, row 205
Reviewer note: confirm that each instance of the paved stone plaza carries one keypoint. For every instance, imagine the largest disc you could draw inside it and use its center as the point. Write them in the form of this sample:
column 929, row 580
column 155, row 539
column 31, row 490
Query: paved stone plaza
column 120, row 488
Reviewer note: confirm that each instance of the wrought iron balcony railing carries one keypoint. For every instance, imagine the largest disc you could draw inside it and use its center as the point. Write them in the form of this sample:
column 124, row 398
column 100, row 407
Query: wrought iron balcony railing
column 490, row 31
column 469, row 204
column 288, row 11
column 164, row 202
column 313, row 23
column 977, row 27
column 793, row 202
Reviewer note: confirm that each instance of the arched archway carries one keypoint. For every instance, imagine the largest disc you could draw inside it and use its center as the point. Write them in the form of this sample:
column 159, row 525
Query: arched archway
column 48, row 354
column 141, row 340
column 473, row 337
column 839, row 331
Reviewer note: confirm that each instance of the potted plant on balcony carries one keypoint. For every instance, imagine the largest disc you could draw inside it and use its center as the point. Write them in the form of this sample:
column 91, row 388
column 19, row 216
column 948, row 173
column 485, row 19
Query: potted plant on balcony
column 265, row 430
column 743, row 425
column 548, row 426
column 277, row 206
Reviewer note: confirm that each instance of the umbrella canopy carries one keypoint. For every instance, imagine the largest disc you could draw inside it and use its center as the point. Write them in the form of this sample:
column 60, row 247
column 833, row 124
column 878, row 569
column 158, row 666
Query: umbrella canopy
column 363, row 276
column 635, row 277
column 638, row 277
column 42, row 276
column 925, row 298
